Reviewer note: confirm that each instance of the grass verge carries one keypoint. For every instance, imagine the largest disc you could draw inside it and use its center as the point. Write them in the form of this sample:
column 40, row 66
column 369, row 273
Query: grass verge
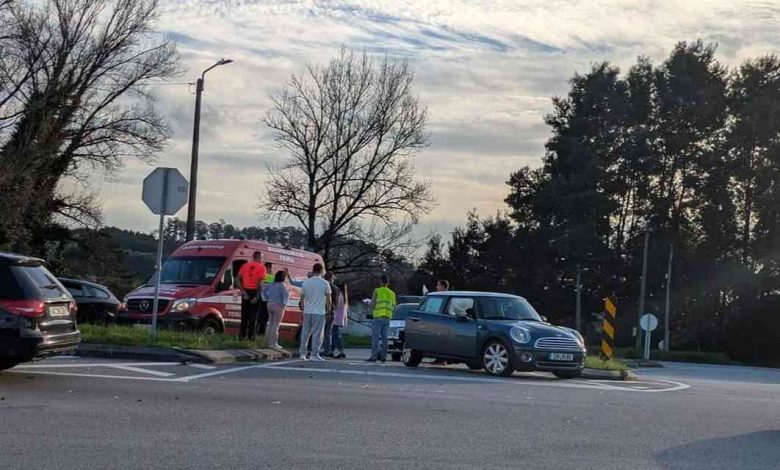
column 132, row 336
column 595, row 362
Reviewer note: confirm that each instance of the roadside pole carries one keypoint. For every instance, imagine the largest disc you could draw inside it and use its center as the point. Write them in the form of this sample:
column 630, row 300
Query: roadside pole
column 648, row 322
column 158, row 263
column 668, row 298
column 578, row 316
column 164, row 193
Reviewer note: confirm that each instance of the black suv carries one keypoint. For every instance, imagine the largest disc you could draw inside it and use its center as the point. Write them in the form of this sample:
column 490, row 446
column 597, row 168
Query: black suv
column 37, row 314
column 498, row 332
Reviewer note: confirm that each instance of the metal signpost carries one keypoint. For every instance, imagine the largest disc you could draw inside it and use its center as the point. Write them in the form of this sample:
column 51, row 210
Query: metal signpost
column 648, row 322
column 164, row 193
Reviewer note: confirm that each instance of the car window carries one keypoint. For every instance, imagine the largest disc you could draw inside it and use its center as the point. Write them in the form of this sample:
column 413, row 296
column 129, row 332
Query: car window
column 9, row 286
column 76, row 290
column 433, row 304
column 402, row 311
column 38, row 281
column 507, row 308
column 460, row 306
column 98, row 293
column 190, row 270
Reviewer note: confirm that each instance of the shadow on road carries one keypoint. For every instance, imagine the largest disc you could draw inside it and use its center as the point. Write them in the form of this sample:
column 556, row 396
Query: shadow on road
column 759, row 450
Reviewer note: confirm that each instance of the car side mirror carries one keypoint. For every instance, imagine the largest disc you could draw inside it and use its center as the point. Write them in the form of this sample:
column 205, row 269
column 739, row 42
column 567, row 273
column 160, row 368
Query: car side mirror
column 544, row 319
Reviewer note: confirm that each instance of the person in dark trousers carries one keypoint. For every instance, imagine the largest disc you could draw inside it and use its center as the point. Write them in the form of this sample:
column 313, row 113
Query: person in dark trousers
column 334, row 298
column 249, row 278
column 262, row 318
column 442, row 285
column 382, row 305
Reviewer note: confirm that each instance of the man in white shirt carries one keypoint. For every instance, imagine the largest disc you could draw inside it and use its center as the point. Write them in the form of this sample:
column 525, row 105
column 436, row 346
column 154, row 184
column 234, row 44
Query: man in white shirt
column 315, row 297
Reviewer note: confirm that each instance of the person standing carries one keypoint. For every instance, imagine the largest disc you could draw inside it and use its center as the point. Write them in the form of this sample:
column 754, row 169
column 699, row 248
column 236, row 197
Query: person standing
column 340, row 315
column 249, row 278
column 277, row 296
column 315, row 298
column 334, row 297
column 262, row 317
column 382, row 305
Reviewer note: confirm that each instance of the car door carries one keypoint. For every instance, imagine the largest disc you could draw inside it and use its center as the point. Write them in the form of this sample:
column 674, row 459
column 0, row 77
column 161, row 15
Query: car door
column 459, row 328
column 420, row 324
column 104, row 307
column 83, row 301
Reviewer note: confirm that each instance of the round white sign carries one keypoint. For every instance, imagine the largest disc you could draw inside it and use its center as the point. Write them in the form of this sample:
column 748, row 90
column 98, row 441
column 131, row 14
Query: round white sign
column 648, row 322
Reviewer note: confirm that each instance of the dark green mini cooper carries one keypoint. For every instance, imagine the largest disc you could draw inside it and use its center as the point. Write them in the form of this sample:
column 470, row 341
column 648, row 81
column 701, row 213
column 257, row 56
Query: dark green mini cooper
column 498, row 332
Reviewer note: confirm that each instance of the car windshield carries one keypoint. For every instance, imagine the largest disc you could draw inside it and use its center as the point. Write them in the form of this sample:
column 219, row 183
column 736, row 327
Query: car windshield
column 507, row 308
column 401, row 311
column 194, row 270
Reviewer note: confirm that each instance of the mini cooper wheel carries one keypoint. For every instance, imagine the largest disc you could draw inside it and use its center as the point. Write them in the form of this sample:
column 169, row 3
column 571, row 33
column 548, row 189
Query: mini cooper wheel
column 497, row 359
column 411, row 357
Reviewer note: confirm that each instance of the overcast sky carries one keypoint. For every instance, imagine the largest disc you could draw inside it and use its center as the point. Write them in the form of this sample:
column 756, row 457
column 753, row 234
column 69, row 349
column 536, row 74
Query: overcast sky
column 485, row 69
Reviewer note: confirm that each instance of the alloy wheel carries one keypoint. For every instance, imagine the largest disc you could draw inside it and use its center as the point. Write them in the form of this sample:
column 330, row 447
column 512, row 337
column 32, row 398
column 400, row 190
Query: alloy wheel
column 496, row 358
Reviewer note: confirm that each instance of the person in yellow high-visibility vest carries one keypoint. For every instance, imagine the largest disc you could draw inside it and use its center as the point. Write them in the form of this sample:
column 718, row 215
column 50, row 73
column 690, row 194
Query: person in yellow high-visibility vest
column 382, row 306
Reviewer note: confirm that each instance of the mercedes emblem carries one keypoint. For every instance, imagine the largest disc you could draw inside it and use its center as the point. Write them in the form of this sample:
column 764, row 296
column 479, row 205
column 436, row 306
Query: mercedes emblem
column 144, row 305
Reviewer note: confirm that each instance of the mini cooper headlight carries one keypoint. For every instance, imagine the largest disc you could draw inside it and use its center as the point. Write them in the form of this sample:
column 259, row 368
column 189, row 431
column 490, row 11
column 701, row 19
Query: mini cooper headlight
column 520, row 335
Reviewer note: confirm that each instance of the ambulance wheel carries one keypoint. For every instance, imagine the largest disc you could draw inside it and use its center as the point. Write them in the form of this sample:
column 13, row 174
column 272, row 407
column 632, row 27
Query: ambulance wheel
column 211, row 326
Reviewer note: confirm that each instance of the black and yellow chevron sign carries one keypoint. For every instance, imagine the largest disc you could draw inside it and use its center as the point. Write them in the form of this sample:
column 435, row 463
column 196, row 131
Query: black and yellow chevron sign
column 608, row 337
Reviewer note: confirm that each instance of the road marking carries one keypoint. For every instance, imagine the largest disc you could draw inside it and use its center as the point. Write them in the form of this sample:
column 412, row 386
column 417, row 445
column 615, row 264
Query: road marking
column 97, row 364
column 203, row 366
column 99, row 376
column 141, row 370
column 229, row 371
column 444, row 377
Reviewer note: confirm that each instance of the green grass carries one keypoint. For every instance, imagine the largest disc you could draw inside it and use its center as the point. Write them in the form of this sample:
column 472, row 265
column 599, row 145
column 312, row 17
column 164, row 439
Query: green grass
column 595, row 362
column 132, row 336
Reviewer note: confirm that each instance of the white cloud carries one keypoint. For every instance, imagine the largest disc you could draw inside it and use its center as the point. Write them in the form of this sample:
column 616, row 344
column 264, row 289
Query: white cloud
column 486, row 70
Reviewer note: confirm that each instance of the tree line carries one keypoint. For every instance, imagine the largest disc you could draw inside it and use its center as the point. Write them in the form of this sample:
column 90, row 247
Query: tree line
column 687, row 149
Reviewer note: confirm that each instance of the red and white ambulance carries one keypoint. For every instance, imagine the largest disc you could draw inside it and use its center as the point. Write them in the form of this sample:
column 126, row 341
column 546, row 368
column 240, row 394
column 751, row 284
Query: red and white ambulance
column 197, row 288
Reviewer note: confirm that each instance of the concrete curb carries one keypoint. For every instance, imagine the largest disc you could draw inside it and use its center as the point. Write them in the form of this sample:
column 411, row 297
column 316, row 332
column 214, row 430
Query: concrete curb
column 138, row 353
column 596, row 374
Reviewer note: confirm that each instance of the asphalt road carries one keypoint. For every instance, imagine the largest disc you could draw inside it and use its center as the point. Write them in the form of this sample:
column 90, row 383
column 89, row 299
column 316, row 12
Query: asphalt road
column 84, row 414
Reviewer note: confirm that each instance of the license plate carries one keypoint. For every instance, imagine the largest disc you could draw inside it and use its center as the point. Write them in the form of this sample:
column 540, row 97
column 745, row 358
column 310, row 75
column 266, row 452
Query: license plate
column 59, row 311
column 561, row 357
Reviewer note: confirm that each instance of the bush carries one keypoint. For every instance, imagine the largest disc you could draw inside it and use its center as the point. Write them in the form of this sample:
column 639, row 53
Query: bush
column 754, row 334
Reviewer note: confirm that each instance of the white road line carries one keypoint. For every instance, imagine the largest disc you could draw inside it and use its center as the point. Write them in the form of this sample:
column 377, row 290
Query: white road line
column 97, row 376
column 442, row 377
column 97, row 364
column 202, row 366
column 230, row 371
column 142, row 370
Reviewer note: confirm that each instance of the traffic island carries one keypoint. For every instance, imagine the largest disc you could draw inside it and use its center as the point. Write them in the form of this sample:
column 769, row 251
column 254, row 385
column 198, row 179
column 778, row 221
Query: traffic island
column 174, row 354
column 599, row 374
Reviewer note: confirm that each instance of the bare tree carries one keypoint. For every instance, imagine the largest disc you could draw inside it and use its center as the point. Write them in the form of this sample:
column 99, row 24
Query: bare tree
column 73, row 74
column 352, row 128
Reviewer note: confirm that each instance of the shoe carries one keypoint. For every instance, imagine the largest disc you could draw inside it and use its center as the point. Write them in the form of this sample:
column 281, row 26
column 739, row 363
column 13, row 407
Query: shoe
column 277, row 347
column 370, row 359
column 318, row 358
column 382, row 360
column 341, row 356
column 305, row 358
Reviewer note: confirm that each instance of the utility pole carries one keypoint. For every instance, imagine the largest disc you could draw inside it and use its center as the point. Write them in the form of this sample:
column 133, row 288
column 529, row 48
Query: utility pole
column 578, row 316
column 191, row 205
column 668, row 297
column 643, row 286
column 194, row 164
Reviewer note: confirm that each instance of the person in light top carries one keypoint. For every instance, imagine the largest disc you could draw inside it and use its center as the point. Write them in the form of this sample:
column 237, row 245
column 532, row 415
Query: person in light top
column 340, row 318
column 277, row 295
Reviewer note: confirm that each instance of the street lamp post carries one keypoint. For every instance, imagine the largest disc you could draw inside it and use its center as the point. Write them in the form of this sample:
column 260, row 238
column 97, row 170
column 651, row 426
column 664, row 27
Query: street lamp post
column 578, row 315
column 643, row 285
column 191, row 206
